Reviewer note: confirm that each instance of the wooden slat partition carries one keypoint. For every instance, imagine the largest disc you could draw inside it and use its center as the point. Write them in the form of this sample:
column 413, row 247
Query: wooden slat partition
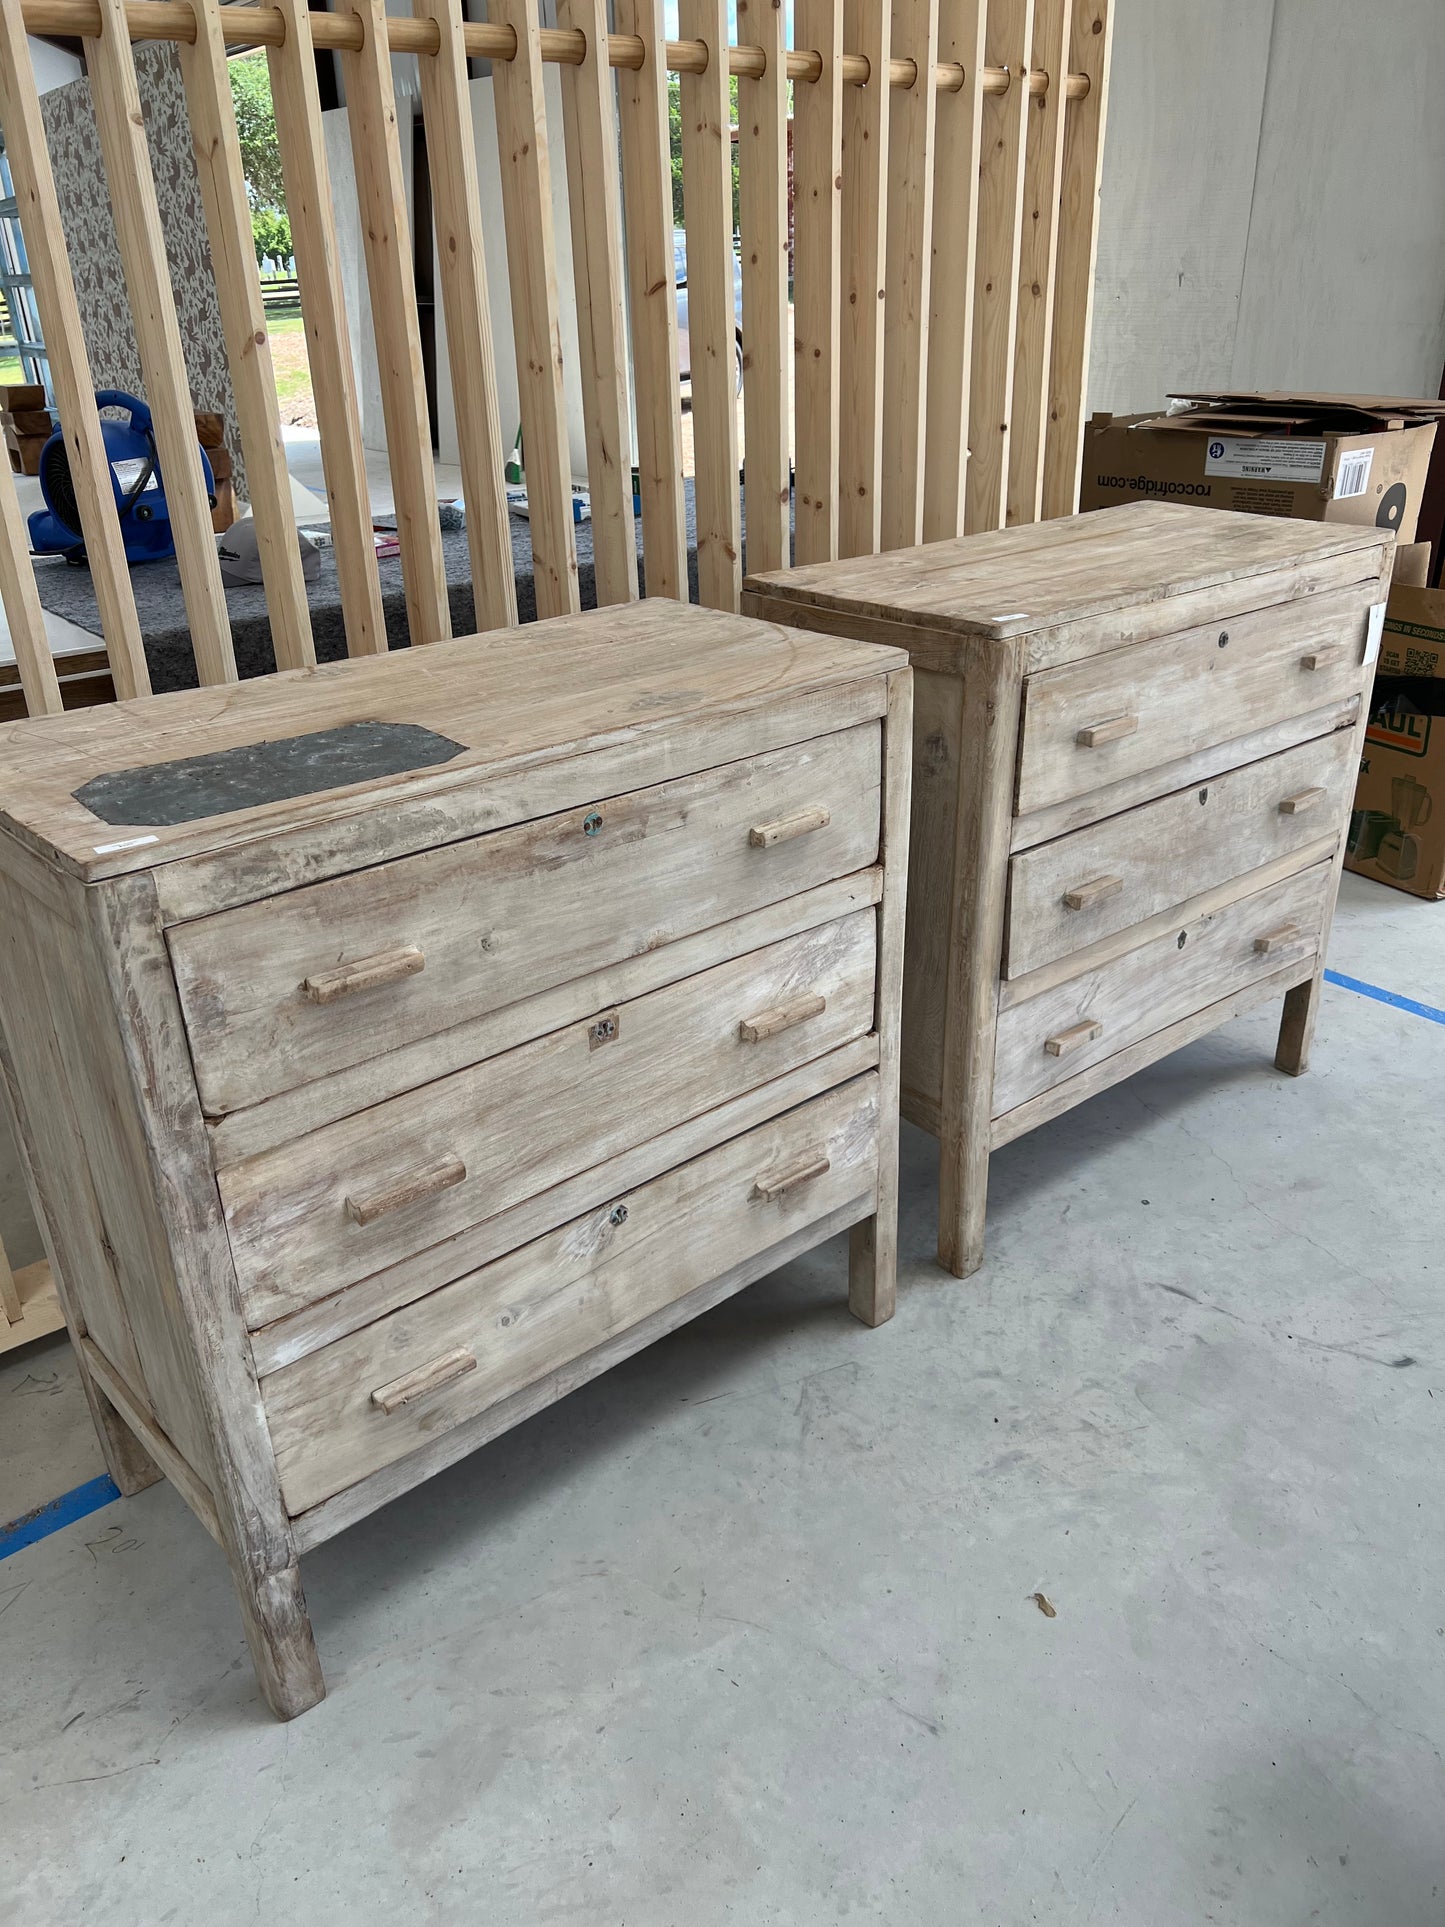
column 647, row 189
column 386, row 237
column 961, row 25
column 867, row 26
column 767, row 347
column 328, row 345
column 707, row 177
column 158, row 338
column 456, row 207
column 1008, row 38
column 817, row 270
column 909, row 264
column 1090, row 39
column 1038, row 254
column 589, row 110
column 207, row 82
column 532, row 260
column 23, row 614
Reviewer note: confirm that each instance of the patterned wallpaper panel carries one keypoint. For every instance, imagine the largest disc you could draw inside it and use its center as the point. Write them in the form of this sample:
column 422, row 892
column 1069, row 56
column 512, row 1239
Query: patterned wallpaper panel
column 95, row 256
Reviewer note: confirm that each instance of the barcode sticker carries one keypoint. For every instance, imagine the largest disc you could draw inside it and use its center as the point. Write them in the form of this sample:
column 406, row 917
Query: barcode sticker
column 1354, row 475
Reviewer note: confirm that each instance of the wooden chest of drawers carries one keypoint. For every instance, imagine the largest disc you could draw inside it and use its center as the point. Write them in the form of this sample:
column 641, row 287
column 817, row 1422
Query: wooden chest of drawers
column 399, row 1045
column 1136, row 739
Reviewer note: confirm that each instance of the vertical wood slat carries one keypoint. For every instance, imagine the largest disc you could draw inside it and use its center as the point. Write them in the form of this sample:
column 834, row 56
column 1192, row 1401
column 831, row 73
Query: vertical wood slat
column 456, row 209
column 206, row 78
column 1007, row 41
column 23, row 613
column 647, row 198
column 817, row 268
column 909, row 263
column 866, row 30
column 954, row 189
column 158, row 338
column 386, row 234
column 763, row 220
column 69, row 365
column 589, row 117
column 11, row 1309
column 1038, row 255
column 1090, row 37
column 708, row 197
column 522, row 147
column 328, row 343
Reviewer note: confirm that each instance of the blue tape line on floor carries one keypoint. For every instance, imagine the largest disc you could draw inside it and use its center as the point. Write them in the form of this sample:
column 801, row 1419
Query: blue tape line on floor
column 1390, row 997
column 63, row 1511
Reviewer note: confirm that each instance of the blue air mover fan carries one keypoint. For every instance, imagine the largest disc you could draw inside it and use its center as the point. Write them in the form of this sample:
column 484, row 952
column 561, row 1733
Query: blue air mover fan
column 135, row 476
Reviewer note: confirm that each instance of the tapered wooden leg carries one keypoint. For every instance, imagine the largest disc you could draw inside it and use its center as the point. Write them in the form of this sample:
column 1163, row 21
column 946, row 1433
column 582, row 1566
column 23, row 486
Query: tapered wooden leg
column 1297, row 1026
column 278, row 1632
column 873, row 1266
column 126, row 1459
column 962, row 1201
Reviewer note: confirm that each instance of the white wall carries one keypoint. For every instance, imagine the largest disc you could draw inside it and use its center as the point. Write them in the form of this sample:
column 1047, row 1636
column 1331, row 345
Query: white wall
column 1273, row 213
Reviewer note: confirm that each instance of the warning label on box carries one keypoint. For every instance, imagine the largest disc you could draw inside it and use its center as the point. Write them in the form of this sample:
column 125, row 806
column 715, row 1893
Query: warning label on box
column 1263, row 459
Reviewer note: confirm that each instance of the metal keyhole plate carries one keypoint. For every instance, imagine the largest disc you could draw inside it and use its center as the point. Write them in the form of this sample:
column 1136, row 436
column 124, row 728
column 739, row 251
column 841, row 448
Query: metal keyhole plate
column 618, row 1214
column 592, row 823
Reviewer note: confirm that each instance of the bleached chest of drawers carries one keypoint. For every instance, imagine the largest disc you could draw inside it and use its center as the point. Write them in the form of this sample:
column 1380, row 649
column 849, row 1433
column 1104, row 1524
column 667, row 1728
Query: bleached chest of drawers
column 1136, row 739
column 397, row 1046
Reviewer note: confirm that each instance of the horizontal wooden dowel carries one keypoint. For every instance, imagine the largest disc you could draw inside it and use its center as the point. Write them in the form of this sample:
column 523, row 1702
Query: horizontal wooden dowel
column 266, row 27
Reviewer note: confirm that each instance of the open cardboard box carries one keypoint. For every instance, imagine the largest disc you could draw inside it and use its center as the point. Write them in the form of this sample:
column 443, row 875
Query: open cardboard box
column 1324, row 458
column 1397, row 827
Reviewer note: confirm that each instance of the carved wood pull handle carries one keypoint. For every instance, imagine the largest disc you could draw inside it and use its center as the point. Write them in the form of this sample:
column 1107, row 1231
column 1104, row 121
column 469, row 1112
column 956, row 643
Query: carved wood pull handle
column 1276, row 939
column 1319, row 658
column 768, row 1023
column 387, row 967
column 1113, row 730
column 1096, row 890
column 763, row 836
column 426, row 1378
column 777, row 1183
column 425, row 1183
column 1074, row 1037
column 1302, row 800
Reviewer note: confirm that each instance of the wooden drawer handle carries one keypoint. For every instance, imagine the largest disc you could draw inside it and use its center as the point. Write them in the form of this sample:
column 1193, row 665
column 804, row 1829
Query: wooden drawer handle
column 425, row 1183
column 1276, row 939
column 1096, row 890
column 426, row 1378
column 1302, row 800
column 768, row 1023
column 388, row 967
column 1071, row 1039
column 1319, row 659
column 1111, row 731
column 763, row 836
column 777, row 1183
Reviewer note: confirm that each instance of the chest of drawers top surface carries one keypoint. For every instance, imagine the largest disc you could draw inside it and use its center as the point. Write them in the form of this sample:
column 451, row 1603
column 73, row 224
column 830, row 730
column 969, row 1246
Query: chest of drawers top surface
column 624, row 685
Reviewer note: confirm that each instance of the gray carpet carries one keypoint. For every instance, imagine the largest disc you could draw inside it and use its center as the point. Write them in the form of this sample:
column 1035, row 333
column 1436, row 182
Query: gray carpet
column 68, row 591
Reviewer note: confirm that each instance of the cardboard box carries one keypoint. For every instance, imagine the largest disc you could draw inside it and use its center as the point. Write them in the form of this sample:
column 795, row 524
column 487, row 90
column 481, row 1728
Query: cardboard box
column 1397, row 827
column 1324, row 458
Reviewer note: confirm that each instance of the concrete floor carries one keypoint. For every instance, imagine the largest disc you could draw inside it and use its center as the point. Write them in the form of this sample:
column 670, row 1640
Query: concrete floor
column 743, row 1633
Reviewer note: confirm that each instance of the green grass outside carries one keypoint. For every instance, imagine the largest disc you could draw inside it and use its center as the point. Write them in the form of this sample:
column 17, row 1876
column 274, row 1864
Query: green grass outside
column 289, row 383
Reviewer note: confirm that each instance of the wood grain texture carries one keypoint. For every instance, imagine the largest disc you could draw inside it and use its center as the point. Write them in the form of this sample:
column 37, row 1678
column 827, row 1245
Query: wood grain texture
column 23, row 614
column 461, row 262
column 526, row 176
column 817, row 271
column 1038, row 260
column 302, row 140
column 1008, row 39
column 867, row 26
column 763, row 194
column 951, row 300
column 707, row 184
column 39, row 211
column 647, row 191
column 246, row 331
column 386, row 238
column 907, row 274
column 142, row 243
column 589, row 112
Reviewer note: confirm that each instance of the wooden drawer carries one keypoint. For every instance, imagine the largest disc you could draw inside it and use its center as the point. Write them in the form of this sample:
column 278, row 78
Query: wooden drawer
column 1095, row 722
column 1069, row 893
column 371, row 1398
column 1066, row 1029
column 348, row 1200
column 280, row 992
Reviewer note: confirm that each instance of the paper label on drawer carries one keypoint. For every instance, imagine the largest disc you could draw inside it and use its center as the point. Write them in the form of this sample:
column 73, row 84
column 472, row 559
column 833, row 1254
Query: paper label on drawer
column 1265, row 458
column 1374, row 631
column 127, row 843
